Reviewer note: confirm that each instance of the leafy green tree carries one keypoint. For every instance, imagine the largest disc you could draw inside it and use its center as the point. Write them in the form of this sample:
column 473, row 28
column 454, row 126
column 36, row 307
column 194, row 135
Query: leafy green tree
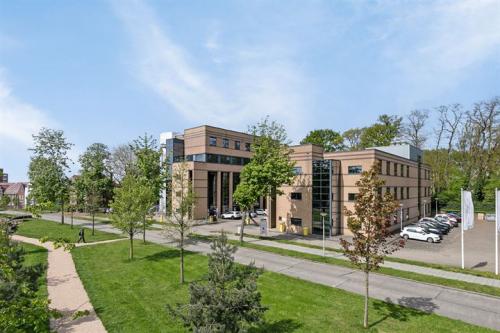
column 48, row 167
column 132, row 201
column 228, row 301
column 327, row 138
column 22, row 308
column 149, row 167
column 270, row 166
column 95, row 178
column 245, row 196
column 386, row 131
column 369, row 223
column 180, row 221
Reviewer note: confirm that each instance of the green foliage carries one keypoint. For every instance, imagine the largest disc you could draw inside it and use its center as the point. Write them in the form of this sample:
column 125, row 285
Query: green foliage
column 228, row 301
column 270, row 166
column 327, row 138
column 4, row 201
column 21, row 308
column 383, row 133
column 131, row 203
column 352, row 138
column 245, row 196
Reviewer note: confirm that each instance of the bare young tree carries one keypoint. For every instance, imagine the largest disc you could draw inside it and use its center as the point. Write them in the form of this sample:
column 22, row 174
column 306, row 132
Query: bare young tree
column 414, row 127
column 180, row 221
column 122, row 158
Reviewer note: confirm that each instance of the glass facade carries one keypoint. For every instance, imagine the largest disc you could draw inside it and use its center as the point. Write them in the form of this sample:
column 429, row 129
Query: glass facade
column 212, row 190
column 224, row 191
column 322, row 196
column 219, row 159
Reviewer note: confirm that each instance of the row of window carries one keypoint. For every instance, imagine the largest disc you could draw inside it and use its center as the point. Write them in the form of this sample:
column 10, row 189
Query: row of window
column 212, row 141
column 399, row 169
column 400, row 193
column 219, row 159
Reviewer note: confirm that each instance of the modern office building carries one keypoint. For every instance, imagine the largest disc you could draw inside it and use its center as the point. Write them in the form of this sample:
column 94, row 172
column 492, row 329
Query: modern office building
column 4, row 177
column 325, row 182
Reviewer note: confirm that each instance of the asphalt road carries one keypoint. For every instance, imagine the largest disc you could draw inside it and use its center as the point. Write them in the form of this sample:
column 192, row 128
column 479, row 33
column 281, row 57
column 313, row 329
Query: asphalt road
column 478, row 309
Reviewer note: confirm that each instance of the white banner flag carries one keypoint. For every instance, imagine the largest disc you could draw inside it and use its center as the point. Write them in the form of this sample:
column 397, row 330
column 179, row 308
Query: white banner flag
column 497, row 220
column 468, row 213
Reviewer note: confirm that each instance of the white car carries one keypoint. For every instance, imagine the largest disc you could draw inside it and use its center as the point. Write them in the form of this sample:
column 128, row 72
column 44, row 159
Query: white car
column 260, row 211
column 451, row 221
column 232, row 214
column 419, row 234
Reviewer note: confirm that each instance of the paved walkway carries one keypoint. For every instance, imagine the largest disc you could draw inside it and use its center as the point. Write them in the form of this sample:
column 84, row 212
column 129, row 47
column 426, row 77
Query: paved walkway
column 66, row 292
column 470, row 307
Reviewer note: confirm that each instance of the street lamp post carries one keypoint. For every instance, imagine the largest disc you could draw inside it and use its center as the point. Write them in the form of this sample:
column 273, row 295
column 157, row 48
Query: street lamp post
column 401, row 215
column 323, row 214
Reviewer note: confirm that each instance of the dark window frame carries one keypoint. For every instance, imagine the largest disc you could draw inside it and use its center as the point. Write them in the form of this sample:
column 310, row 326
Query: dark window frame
column 212, row 141
column 225, row 143
column 237, row 145
column 354, row 169
column 296, row 196
column 351, row 197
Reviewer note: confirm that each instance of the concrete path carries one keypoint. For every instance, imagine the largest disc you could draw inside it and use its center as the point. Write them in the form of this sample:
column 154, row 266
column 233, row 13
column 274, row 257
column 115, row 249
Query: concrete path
column 66, row 292
column 469, row 307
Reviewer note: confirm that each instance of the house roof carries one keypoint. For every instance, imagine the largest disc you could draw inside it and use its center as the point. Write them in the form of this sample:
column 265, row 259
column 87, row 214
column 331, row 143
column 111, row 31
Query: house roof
column 14, row 188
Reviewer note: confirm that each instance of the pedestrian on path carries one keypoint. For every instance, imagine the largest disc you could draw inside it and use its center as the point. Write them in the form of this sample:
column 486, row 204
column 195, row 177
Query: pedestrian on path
column 81, row 234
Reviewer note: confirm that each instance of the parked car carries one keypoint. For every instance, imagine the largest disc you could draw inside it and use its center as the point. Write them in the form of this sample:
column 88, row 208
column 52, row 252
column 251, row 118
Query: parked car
column 430, row 228
column 489, row 217
column 452, row 218
column 443, row 225
column 419, row 233
column 456, row 216
column 448, row 220
column 231, row 214
column 253, row 214
column 260, row 211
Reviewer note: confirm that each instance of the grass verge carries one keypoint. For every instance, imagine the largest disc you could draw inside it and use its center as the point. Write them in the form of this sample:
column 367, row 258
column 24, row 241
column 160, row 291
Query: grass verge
column 383, row 270
column 449, row 268
column 130, row 296
column 36, row 255
column 37, row 228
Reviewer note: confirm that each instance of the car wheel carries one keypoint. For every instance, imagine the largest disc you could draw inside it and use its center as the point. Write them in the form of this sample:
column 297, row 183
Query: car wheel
column 405, row 237
column 430, row 240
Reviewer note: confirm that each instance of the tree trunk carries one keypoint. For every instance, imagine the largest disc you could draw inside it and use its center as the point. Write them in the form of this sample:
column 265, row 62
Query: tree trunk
column 62, row 212
column 243, row 218
column 131, row 250
column 93, row 222
column 72, row 212
column 365, row 321
column 144, row 230
column 182, row 258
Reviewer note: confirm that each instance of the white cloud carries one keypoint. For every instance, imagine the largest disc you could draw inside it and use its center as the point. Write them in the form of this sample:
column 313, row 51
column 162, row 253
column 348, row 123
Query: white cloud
column 266, row 83
column 18, row 119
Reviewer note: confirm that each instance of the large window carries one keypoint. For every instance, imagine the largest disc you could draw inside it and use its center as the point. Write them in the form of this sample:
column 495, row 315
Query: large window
column 296, row 196
column 352, row 196
column 321, row 192
column 408, row 171
column 387, row 167
column 212, row 190
column 225, row 191
column 212, row 141
column 402, row 193
column 402, row 170
column 296, row 221
column 354, row 169
column 407, row 193
column 395, row 169
column 225, row 142
column 247, row 146
column 237, row 145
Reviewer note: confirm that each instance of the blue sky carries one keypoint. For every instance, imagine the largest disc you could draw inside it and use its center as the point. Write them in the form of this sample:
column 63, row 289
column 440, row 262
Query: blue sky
column 108, row 71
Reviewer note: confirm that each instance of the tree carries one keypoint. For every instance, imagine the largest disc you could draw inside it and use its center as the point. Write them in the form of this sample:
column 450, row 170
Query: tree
column 228, row 300
column 122, row 159
column 245, row 196
column 414, row 126
column 385, row 132
column 353, row 138
column 48, row 167
column 270, row 166
column 131, row 202
column 183, row 200
column 369, row 223
column 327, row 138
column 149, row 167
column 95, row 178
column 22, row 308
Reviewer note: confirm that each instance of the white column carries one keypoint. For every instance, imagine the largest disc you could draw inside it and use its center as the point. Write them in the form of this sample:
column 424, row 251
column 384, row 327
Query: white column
column 462, row 213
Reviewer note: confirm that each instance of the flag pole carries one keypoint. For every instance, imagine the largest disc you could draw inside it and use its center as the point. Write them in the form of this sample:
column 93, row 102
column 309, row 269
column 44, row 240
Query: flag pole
column 497, row 213
column 463, row 218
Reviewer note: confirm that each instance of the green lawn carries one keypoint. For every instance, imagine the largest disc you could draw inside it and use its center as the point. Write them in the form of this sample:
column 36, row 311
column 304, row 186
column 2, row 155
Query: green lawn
column 130, row 296
column 37, row 228
column 479, row 288
column 36, row 255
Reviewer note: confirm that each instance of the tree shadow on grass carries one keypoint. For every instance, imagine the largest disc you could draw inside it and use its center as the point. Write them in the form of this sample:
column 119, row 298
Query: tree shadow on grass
column 279, row 326
column 404, row 310
column 166, row 254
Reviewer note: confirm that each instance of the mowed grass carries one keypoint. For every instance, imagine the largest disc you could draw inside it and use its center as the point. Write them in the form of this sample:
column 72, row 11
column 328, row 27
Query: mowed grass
column 38, row 228
column 36, row 255
column 130, row 296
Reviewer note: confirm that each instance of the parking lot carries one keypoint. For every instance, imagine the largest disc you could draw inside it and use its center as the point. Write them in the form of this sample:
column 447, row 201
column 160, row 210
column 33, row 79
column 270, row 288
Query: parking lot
column 479, row 248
